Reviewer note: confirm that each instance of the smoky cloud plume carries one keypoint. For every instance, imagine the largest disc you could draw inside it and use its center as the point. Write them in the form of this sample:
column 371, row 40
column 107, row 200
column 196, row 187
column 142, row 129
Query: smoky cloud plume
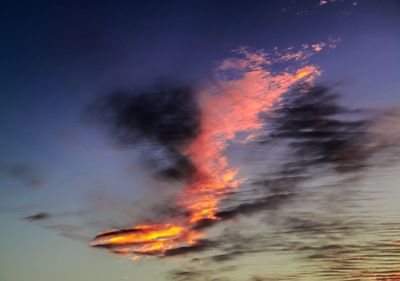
column 163, row 119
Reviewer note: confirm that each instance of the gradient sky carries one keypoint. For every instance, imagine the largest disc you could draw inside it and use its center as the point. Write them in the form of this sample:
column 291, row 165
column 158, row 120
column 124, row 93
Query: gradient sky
column 58, row 56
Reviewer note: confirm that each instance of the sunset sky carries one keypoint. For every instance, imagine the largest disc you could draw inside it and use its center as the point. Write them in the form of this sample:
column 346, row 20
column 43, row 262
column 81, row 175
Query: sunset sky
column 200, row 140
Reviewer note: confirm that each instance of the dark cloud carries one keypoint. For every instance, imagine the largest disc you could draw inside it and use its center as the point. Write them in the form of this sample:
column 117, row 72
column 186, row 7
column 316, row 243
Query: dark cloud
column 203, row 274
column 185, row 275
column 201, row 246
column 117, row 232
column 165, row 117
column 320, row 131
column 308, row 226
column 38, row 217
column 24, row 173
column 271, row 202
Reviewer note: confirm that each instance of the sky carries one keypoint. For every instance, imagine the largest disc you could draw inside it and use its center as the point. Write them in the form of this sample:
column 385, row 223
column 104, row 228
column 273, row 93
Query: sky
column 200, row 140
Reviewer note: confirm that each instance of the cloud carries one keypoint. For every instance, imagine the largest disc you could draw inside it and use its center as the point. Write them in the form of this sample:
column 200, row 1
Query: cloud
column 271, row 202
column 209, row 274
column 320, row 137
column 39, row 217
column 185, row 275
column 168, row 120
column 201, row 246
column 319, row 131
column 57, row 223
column 26, row 174
column 329, row 148
column 162, row 120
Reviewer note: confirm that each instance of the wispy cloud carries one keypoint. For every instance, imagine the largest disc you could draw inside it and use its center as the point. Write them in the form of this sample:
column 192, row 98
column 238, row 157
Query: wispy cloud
column 27, row 175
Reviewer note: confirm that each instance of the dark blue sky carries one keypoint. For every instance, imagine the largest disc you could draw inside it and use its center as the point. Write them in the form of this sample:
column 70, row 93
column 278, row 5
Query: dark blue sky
column 56, row 44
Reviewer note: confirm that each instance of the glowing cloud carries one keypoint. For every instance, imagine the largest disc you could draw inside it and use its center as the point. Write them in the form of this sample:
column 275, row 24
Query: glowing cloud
column 245, row 86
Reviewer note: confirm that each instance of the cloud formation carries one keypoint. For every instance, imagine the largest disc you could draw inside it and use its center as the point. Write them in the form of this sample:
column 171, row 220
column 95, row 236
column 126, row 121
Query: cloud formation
column 323, row 144
column 244, row 87
column 329, row 150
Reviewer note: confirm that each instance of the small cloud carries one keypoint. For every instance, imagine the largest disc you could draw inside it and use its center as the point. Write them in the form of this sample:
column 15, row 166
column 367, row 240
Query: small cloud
column 38, row 217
